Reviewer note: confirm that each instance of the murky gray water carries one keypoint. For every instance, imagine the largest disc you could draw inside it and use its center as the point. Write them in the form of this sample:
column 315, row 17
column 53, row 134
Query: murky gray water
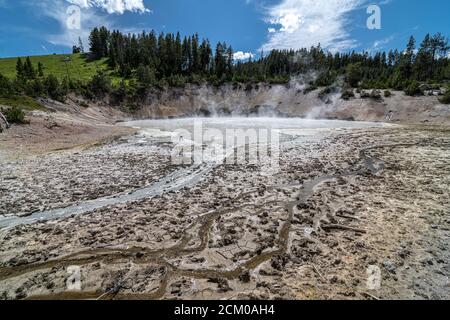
column 185, row 177
column 167, row 126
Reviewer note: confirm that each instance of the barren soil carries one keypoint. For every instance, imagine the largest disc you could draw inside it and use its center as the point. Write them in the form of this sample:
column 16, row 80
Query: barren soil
column 346, row 204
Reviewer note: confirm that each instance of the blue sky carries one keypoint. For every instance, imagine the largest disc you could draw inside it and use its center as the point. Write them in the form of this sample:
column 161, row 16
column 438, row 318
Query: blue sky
column 29, row 27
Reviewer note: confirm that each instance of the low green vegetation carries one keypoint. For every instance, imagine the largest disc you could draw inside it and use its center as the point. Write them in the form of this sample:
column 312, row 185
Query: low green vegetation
column 76, row 67
column 347, row 94
column 310, row 88
column 373, row 94
column 21, row 101
column 414, row 89
column 14, row 115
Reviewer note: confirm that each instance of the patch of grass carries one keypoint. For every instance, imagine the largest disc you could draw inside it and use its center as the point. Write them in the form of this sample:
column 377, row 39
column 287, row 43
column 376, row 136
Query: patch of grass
column 23, row 102
column 76, row 66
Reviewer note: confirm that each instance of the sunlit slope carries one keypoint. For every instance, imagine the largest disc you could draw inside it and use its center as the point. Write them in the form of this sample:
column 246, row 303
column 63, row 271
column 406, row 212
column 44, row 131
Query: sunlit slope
column 74, row 66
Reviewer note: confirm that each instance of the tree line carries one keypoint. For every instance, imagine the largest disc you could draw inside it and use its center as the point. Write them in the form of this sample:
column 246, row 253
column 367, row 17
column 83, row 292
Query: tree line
column 164, row 56
column 149, row 60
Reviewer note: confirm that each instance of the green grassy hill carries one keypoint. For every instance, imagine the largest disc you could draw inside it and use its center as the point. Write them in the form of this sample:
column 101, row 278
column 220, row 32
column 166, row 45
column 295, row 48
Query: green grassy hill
column 76, row 67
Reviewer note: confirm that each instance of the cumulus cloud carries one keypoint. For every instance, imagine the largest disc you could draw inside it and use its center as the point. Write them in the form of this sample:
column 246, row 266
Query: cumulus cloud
column 240, row 55
column 112, row 6
column 305, row 23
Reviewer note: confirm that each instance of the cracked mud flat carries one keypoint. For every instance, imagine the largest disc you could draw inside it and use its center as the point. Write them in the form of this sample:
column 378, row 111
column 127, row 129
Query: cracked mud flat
column 344, row 201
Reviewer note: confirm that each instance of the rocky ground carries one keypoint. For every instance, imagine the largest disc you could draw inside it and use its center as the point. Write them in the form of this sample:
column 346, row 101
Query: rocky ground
column 60, row 179
column 351, row 214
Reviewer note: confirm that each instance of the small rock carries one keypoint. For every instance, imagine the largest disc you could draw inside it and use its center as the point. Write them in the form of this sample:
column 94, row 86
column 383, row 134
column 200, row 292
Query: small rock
column 245, row 277
column 390, row 266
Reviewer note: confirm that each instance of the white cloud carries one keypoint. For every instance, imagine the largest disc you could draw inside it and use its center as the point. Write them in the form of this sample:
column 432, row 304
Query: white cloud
column 57, row 10
column 90, row 18
column 112, row 6
column 240, row 55
column 306, row 23
column 379, row 44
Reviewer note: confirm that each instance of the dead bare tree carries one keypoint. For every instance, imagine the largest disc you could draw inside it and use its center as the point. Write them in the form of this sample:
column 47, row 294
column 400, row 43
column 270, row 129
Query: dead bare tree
column 2, row 117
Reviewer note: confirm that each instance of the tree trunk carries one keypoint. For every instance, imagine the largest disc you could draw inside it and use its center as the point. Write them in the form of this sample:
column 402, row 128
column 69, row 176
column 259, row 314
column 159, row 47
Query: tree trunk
column 2, row 117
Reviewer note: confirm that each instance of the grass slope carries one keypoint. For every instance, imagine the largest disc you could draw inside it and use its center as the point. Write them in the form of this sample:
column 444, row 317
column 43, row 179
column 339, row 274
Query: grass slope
column 76, row 68
column 23, row 102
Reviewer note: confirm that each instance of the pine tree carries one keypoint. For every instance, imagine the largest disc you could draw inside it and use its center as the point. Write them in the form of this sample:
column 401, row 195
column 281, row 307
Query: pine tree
column 186, row 55
column 178, row 54
column 205, row 57
column 80, row 45
column 20, row 69
column 195, row 54
column 40, row 69
column 220, row 61
column 104, row 39
column 95, row 43
column 29, row 71
column 229, row 63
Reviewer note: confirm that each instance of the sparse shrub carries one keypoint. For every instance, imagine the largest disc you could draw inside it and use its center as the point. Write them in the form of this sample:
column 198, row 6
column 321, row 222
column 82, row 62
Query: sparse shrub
column 14, row 115
column 324, row 92
column 387, row 94
column 162, row 84
column 196, row 79
column 375, row 95
column 53, row 88
column 397, row 81
column 100, row 84
column 347, row 94
column 414, row 89
column 6, row 87
column 177, row 81
column 445, row 99
column 364, row 94
column 131, row 107
column 119, row 94
column 279, row 80
column 35, row 88
column 309, row 89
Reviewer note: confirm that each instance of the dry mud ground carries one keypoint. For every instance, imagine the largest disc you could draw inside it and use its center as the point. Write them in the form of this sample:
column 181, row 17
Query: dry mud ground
column 351, row 214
